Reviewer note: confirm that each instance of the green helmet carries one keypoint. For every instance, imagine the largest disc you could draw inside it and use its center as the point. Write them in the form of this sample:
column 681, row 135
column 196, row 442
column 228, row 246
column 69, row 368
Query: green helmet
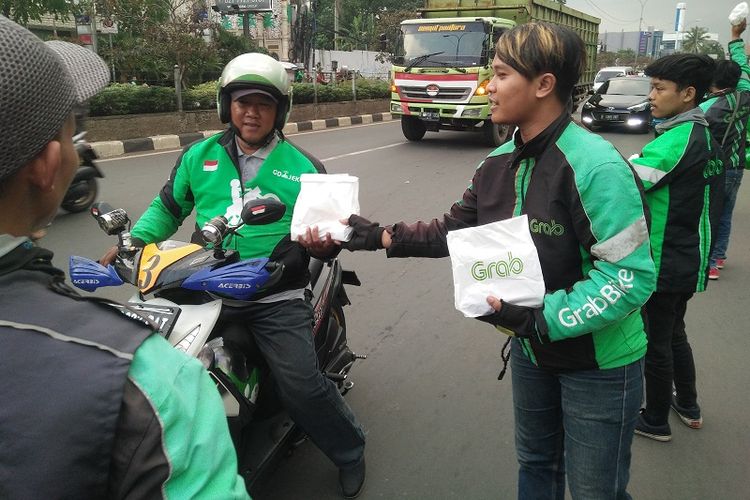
column 255, row 71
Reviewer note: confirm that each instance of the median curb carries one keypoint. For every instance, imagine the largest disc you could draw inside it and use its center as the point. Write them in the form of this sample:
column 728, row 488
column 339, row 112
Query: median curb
column 111, row 149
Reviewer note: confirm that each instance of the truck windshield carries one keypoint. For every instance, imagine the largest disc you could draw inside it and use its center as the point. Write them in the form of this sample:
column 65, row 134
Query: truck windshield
column 456, row 44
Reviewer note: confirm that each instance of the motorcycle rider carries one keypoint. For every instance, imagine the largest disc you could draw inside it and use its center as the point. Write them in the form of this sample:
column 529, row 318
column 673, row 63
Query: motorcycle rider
column 93, row 404
column 216, row 176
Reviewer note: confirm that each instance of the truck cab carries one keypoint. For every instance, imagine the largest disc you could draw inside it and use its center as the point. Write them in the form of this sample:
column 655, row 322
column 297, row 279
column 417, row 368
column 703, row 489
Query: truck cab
column 440, row 74
column 442, row 63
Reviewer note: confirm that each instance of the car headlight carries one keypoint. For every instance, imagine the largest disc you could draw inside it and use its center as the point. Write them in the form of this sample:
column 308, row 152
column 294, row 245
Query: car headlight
column 588, row 105
column 639, row 107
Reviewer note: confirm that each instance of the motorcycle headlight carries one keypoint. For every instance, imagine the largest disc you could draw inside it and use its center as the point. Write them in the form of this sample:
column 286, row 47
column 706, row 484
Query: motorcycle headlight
column 588, row 105
column 639, row 107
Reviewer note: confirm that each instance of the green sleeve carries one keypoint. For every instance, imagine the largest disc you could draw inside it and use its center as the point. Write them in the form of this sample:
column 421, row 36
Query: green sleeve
column 659, row 159
column 737, row 54
column 170, row 208
column 623, row 276
column 196, row 440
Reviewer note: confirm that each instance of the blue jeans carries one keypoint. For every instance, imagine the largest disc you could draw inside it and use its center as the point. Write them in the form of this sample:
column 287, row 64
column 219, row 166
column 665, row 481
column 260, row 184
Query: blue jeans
column 578, row 423
column 731, row 186
column 283, row 334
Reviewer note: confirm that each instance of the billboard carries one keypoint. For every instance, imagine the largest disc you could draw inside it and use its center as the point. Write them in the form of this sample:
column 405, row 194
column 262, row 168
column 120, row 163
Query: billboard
column 244, row 5
column 643, row 40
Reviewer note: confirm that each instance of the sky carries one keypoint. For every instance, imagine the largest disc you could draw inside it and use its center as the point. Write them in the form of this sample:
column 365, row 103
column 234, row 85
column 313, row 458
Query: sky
column 617, row 15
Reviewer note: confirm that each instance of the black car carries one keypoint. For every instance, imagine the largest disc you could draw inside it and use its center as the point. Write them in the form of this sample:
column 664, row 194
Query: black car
column 622, row 102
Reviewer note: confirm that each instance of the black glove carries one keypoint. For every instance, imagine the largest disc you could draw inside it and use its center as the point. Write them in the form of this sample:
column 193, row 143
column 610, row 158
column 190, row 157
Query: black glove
column 518, row 321
column 367, row 235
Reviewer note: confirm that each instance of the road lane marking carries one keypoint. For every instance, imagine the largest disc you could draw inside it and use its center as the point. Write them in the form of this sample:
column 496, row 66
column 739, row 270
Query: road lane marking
column 364, row 151
column 168, row 151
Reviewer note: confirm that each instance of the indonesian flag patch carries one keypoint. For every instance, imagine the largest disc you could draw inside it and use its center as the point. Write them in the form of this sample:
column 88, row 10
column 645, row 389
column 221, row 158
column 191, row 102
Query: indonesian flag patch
column 210, row 165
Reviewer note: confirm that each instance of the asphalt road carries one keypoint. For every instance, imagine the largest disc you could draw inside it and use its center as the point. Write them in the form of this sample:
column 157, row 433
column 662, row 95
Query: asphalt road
column 439, row 425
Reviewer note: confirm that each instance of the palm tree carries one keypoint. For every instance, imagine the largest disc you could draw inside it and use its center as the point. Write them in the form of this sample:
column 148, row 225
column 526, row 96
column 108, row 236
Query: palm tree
column 695, row 40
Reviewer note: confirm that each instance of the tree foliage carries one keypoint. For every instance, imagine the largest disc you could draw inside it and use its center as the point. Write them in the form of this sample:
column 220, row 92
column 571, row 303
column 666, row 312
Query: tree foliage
column 695, row 40
column 23, row 11
column 360, row 21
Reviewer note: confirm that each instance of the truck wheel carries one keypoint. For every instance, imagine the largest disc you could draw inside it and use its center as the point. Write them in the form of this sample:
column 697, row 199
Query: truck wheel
column 413, row 128
column 495, row 134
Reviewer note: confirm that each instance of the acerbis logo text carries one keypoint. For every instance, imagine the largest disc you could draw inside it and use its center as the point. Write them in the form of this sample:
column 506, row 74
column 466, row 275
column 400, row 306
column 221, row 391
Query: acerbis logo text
column 609, row 294
column 235, row 285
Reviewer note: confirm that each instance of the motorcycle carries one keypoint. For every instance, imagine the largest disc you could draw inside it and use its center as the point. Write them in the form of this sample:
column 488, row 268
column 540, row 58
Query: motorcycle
column 84, row 188
column 181, row 289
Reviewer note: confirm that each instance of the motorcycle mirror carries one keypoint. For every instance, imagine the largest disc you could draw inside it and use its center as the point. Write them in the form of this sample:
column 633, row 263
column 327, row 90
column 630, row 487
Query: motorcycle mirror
column 262, row 211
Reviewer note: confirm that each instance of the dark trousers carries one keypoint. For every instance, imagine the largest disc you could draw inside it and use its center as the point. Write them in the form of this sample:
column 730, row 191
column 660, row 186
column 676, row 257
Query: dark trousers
column 283, row 334
column 669, row 358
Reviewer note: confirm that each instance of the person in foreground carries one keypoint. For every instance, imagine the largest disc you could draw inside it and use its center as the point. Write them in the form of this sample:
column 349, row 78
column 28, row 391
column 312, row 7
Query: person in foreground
column 94, row 404
column 217, row 176
column 683, row 175
column 576, row 366
column 727, row 108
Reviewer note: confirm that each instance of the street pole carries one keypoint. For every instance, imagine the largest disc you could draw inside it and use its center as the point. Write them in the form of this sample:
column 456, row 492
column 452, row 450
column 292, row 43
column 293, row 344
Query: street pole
column 336, row 7
column 178, row 87
column 114, row 79
column 246, row 24
column 640, row 25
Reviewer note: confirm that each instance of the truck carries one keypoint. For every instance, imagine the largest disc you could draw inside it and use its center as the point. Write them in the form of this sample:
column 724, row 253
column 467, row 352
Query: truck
column 442, row 62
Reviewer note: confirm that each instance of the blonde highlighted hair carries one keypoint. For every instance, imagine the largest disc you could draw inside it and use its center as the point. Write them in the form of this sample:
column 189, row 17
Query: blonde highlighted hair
column 538, row 47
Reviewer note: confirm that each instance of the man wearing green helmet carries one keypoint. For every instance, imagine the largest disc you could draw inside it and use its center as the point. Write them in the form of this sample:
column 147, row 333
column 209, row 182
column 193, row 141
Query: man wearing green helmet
column 216, row 176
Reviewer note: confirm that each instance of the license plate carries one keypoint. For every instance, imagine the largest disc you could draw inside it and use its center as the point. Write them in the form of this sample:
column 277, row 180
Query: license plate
column 432, row 116
column 609, row 117
column 163, row 316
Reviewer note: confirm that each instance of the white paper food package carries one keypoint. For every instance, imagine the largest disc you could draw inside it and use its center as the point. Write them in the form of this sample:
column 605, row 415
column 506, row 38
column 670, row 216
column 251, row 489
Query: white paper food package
column 323, row 201
column 497, row 259
column 739, row 13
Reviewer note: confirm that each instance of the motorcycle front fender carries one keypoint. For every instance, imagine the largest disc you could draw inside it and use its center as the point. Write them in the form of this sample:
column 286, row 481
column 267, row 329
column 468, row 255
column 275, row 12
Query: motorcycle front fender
column 193, row 326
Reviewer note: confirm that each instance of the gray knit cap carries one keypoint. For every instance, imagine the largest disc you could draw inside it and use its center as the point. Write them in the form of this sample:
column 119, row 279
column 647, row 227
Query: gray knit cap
column 39, row 85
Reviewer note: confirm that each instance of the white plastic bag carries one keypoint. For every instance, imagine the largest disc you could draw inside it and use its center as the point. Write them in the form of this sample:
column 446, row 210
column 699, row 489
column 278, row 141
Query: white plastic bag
column 497, row 259
column 739, row 13
column 323, row 201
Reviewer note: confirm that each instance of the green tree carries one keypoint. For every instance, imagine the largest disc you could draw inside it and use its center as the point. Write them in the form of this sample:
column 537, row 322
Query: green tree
column 23, row 11
column 324, row 12
column 714, row 49
column 695, row 40
column 387, row 23
column 135, row 17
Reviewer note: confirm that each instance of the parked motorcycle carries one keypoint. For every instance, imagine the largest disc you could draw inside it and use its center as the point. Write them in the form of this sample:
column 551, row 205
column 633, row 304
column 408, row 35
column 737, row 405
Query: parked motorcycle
column 84, row 188
column 181, row 287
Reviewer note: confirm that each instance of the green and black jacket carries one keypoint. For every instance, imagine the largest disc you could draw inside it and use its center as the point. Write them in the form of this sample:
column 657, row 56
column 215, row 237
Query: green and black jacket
column 683, row 175
column 94, row 404
column 727, row 112
column 207, row 178
column 587, row 220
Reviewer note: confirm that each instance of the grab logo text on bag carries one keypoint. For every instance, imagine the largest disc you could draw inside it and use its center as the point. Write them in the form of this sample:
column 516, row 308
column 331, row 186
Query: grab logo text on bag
column 481, row 270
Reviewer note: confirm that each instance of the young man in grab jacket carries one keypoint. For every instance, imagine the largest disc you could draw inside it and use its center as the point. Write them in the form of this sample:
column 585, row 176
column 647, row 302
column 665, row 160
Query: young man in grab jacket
column 217, row 176
column 727, row 110
column 577, row 368
column 683, row 174
column 92, row 404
